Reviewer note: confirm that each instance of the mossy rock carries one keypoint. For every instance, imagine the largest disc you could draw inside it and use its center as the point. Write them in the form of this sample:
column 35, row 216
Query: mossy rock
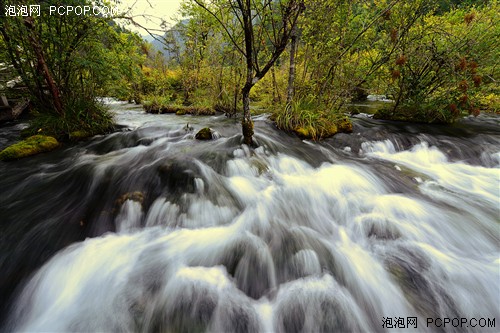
column 204, row 134
column 344, row 126
column 329, row 131
column 31, row 146
column 79, row 135
column 136, row 196
column 204, row 111
column 305, row 132
column 170, row 109
column 180, row 112
column 325, row 130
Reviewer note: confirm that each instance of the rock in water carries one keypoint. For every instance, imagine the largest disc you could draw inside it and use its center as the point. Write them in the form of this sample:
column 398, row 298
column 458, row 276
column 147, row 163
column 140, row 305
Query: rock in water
column 204, row 134
column 33, row 145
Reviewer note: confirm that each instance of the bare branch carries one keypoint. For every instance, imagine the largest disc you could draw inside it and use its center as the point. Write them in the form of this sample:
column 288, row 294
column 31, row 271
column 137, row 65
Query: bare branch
column 202, row 5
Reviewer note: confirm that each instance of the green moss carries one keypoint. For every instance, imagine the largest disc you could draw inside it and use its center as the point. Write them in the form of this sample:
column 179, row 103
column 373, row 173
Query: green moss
column 329, row 130
column 33, row 145
column 79, row 135
column 304, row 132
column 344, row 125
column 309, row 120
column 323, row 128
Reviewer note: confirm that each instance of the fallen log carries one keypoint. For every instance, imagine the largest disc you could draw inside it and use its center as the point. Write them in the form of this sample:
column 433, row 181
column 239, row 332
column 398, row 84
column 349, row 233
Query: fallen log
column 8, row 113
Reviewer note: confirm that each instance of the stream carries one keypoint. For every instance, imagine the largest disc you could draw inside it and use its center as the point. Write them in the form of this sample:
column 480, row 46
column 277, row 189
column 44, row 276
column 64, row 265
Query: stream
column 149, row 230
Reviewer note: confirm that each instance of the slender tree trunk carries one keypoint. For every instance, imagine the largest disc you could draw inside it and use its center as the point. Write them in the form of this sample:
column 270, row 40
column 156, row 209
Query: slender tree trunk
column 291, row 73
column 246, row 123
column 42, row 66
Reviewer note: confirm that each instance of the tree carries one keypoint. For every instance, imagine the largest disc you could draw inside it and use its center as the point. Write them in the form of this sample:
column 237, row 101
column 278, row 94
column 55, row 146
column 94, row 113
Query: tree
column 266, row 27
column 34, row 40
column 341, row 49
column 124, row 56
column 61, row 55
column 436, row 68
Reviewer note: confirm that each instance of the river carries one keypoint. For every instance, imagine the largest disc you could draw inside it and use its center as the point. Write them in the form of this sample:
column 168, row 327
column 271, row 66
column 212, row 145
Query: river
column 149, row 230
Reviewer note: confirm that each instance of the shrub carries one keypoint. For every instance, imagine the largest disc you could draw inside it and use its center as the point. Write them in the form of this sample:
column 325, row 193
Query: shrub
column 306, row 119
column 81, row 116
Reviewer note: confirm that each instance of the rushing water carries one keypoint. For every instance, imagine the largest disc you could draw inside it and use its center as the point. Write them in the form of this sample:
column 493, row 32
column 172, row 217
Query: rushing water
column 150, row 230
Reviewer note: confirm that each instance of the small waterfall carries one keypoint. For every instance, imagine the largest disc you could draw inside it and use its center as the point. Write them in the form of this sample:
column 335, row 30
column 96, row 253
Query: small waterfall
column 217, row 237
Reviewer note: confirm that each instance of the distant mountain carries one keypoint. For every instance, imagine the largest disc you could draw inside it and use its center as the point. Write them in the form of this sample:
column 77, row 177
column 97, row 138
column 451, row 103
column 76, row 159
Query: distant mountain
column 157, row 45
column 171, row 34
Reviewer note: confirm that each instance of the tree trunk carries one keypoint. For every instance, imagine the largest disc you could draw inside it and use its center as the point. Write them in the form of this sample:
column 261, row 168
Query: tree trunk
column 246, row 122
column 42, row 66
column 291, row 73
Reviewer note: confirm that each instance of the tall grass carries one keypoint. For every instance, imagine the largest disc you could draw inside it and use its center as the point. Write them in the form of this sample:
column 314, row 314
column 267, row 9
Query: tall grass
column 80, row 115
column 311, row 121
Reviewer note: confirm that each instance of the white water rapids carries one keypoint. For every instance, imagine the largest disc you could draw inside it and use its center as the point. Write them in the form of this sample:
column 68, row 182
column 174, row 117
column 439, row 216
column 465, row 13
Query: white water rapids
column 270, row 243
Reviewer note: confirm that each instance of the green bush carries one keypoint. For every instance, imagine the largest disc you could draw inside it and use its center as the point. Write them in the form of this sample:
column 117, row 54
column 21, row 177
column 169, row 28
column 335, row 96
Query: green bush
column 306, row 119
column 81, row 116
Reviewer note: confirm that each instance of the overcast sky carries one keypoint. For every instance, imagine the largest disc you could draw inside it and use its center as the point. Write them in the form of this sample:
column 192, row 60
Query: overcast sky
column 153, row 9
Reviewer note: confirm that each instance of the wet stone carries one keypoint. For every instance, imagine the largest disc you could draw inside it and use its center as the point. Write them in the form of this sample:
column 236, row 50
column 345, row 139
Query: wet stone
column 178, row 176
column 204, row 134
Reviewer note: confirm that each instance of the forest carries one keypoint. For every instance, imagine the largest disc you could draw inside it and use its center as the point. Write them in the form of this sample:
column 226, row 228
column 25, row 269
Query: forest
column 305, row 62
